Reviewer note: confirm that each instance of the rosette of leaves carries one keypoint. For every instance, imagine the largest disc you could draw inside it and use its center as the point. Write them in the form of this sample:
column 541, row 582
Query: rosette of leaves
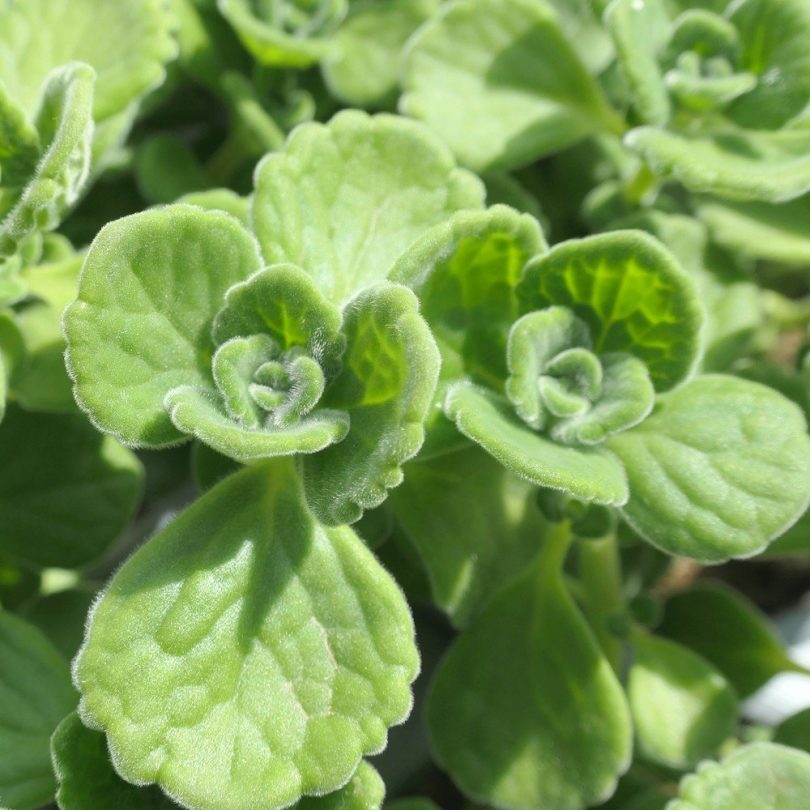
column 67, row 96
column 573, row 370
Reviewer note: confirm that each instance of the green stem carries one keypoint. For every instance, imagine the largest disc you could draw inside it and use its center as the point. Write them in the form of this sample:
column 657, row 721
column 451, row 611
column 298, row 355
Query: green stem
column 601, row 578
column 555, row 548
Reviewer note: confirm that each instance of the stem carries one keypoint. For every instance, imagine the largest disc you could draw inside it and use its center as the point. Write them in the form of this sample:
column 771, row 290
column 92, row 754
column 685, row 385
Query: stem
column 556, row 547
column 600, row 574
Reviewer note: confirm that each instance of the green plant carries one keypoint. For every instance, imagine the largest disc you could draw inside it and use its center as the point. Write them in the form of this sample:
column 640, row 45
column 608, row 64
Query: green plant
column 297, row 400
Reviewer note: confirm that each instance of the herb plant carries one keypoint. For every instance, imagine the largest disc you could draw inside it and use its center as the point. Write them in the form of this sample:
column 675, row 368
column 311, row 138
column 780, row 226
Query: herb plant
column 401, row 362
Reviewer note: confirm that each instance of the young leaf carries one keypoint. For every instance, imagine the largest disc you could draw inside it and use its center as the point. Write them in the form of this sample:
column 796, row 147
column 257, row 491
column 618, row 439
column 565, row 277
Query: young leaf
column 35, row 694
column 718, row 470
column 139, row 326
column 66, row 491
column 632, row 294
column 386, row 386
column 259, row 654
column 465, row 272
column 499, row 81
column 683, row 709
column 795, row 731
column 587, row 473
column 524, row 710
column 759, row 776
column 344, row 200
column 729, row 632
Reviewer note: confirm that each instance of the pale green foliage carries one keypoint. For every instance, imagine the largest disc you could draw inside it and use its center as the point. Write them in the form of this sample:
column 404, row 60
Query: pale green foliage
column 259, row 654
column 760, row 776
column 35, row 694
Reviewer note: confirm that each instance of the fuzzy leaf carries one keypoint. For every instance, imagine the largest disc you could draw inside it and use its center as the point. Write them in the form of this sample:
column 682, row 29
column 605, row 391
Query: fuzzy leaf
column 524, row 710
column 759, row 776
column 632, row 294
column 499, row 81
column 587, row 473
column 66, row 491
column 344, row 200
column 35, row 694
column 141, row 325
column 683, row 709
column 259, row 655
column 387, row 383
column 718, row 470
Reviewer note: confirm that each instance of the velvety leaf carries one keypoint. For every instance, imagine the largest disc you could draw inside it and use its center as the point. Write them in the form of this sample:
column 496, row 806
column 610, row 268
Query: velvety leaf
column 501, row 84
column 259, row 654
column 474, row 524
column 632, row 294
column 35, row 694
column 66, row 491
column 734, row 163
column 587, row 473
column 795, row 731
column 363, row 65
column 386, row 386
column 141, row 324
column 61, row 616
column 718, row 470
column 465, row 272
column 683, row 709
column 220, row 199
column 158, row 185
column 364, row 791
column 524, row 710
column 129, row 57
column 344, row 200
column 759, row 776
column 727, row 630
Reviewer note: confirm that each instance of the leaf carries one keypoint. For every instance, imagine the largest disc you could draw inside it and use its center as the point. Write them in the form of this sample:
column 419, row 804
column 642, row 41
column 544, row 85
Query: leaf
column 344, row 200
column 734, row 163
column 259, row 654
column 35, row 694
column 157, row 185
column 61, row 616
column 728, row 631
column 465, row 272
column 718, row 470
column 683, row 709
column 506, row 63
column 365, row 791
column 66, row 491
column 632, row 294
column 139, row 326
column 795, row 731
column 220, row 199
column 387, row 383
column 760, row 230
column 524, row 710
column 587, row 473
column 759, row 776
column 362, row 67
column 474, row 524
column 297, row 37
column 66, row 129
column 129, row 58
column 416, row 803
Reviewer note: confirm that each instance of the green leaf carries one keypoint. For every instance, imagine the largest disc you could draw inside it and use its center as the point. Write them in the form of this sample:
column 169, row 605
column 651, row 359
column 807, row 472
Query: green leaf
column 156, row 184
column 220, row 199
column 759, row 776
column 141, row 325
column 386, row 386
column 129, row 58
column 35, row 694
column 683, row 709
column 474, row 524
column 365, row 791
column 65, row 128
column 727, row 630
column 66, row 491
column 795, row 731
column 465, row 272
column 259, row 655
column 417, row 803
column 499, row 81
column 632, row 294
column 362, row 67
column 288, row 33
column 61, row 616
column 524, row 710
column 718, row 470
column 587, row 473
column 760, row 230
column 729, row 162
column 371, row 186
